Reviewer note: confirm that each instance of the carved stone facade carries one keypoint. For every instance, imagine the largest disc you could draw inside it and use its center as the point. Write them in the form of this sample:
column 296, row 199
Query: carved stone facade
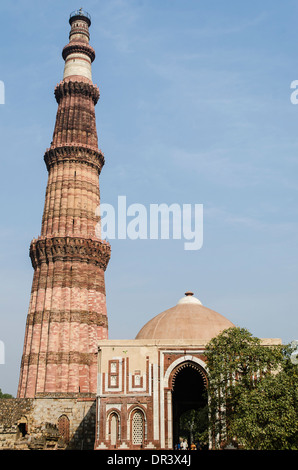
column 138, row 376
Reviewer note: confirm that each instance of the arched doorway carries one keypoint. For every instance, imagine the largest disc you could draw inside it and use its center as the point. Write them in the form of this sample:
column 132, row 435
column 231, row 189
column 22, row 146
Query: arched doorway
column 63, row 427
column 189, row 399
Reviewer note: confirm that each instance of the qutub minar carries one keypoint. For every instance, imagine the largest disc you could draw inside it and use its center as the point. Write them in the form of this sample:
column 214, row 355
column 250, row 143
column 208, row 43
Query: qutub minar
column 77, row 388
column 67, row 314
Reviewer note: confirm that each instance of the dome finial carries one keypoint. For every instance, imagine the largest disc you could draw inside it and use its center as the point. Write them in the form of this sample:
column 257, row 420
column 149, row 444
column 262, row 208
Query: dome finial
column 189, row 299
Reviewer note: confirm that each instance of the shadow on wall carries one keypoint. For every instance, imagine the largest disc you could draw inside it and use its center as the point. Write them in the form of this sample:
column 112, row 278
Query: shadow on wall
column 84, row 436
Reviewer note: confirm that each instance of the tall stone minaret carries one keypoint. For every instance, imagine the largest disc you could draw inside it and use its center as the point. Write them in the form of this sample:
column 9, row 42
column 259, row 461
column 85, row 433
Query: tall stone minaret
column 67, row 312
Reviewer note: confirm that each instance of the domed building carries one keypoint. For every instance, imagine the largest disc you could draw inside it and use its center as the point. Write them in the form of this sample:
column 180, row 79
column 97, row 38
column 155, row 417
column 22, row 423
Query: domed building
column 188, row 320
column 146, row 384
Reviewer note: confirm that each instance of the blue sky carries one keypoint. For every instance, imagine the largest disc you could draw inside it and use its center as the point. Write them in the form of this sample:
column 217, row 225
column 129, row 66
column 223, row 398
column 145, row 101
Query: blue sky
column 195, row 108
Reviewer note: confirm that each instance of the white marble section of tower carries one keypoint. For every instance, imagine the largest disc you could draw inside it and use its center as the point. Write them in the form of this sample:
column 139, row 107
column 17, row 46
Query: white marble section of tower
column 77, row 54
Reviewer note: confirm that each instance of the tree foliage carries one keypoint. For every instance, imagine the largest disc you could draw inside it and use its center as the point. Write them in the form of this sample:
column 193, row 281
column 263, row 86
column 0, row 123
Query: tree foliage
column 267, row 416
column 5, row 395
column 252, row 392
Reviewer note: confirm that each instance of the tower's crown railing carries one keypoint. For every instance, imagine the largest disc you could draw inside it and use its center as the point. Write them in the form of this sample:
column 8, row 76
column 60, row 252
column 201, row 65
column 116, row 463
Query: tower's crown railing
column 78, row 13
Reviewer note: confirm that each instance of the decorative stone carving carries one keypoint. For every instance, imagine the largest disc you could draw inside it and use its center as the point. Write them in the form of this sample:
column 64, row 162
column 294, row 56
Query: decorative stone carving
column 45, row 250
column 73, row 153
column 66, row 88
column 76, row 46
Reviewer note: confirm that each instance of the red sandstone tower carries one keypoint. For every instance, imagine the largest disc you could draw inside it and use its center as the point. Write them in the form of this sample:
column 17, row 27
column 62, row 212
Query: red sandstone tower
column 67, row 312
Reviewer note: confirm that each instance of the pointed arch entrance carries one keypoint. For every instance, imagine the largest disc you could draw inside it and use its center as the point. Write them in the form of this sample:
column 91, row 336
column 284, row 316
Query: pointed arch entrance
column 188, row 383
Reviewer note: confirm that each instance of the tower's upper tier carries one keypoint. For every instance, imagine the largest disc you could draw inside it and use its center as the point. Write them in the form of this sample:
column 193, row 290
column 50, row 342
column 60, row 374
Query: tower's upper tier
column 78, row 54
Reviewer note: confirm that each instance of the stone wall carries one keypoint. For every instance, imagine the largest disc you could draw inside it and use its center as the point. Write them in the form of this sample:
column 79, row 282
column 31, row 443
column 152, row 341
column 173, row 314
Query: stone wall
column 12, row 413
column 30, row 424
column 80, row 413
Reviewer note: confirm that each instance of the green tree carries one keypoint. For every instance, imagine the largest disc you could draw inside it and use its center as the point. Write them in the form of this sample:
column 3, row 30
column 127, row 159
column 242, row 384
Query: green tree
column 267, row 415
column 5, row 395
column 243, row 379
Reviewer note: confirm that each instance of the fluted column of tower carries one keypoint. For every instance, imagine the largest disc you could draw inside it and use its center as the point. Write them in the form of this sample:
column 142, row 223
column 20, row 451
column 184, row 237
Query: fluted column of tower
column 67, row 312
